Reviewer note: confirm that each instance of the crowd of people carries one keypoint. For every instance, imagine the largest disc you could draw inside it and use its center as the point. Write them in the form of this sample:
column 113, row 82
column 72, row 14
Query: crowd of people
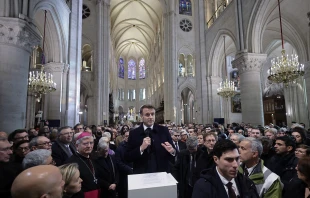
column 239, row 160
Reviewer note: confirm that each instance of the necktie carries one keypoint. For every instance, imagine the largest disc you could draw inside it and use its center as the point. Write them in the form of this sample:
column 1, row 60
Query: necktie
column 192, row 165
column 177, row 146
column 246, row 172
column 69, row 150
column 231, row 192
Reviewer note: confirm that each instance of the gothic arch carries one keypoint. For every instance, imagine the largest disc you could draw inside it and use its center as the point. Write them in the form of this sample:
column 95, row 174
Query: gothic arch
column 57, row 28
column 216, row 54
column 188, row 85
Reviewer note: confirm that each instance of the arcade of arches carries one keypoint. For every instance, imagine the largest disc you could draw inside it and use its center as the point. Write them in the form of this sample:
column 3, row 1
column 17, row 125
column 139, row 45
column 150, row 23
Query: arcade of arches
column 109, row 57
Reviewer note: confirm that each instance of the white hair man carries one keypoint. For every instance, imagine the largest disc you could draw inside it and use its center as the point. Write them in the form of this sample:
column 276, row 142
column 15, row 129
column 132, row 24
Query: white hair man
column 268, row 184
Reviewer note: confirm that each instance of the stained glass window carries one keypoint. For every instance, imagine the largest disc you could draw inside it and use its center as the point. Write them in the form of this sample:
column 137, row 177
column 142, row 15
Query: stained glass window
column 121, row 68
column 142, row 69
column 185, row 7
column 131, row 70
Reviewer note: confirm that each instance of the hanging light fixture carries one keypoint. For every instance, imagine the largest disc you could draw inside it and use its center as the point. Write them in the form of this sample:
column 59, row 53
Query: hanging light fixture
column 285, row 69
column 227, row 88
column 40, row 82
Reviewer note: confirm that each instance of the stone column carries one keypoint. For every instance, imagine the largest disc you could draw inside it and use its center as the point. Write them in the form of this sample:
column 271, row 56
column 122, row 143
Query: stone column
column 170, row 85
column 249, row 67
column 74, row 73
column 201, row 94
column 31, row 105
column 17, row 37
column 102, row 62
column 54, row 99
column 307, row 84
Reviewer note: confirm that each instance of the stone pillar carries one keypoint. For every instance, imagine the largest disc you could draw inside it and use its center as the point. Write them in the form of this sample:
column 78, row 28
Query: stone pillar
column 170, row 85
column 307, row 85
column 74, row 73
column 102, row 62
column 296, row 103
column 17, row 37
column 31, row 106
column 249, row 67
column 201, row 94
column 54, row 99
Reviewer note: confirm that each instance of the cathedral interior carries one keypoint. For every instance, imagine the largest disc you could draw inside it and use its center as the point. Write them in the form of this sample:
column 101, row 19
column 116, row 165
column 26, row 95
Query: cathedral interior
column 106, row 58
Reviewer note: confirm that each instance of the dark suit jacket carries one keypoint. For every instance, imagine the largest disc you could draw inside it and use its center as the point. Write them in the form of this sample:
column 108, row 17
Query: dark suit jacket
column 159, row 135
column 60, row 153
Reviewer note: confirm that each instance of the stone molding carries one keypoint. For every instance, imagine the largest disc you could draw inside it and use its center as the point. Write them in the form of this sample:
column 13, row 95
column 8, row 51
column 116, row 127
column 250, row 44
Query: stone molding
column 55, row 67
column 215, row 79
column 246, row 62
column 14, row 31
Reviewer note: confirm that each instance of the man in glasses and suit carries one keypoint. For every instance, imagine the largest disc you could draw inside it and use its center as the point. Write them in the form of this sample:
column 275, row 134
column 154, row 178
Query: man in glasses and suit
column 150, row 146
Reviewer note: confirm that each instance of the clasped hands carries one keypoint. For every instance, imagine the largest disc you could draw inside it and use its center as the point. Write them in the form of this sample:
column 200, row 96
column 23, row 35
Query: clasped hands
column 147, row 142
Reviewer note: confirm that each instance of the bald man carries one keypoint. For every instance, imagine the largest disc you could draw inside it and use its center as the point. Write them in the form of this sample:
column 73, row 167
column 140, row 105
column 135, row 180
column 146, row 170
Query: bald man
column 3, row 135
column 44, row 181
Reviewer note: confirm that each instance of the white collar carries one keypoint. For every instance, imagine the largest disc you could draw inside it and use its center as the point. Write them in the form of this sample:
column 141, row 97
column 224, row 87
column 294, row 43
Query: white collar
column 224, row 180
column 145, row 127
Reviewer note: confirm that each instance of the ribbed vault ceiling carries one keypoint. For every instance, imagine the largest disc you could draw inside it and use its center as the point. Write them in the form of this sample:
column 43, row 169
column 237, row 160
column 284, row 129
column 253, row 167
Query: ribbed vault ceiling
column 133, row 26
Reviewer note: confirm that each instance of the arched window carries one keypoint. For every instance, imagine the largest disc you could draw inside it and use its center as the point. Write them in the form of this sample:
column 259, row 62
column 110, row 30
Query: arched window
column 142, row 69
column 121, row 68
column 185, row 7
column 131, row 70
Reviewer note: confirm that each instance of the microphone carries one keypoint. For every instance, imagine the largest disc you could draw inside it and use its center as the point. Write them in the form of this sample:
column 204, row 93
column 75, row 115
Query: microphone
column 147, row 134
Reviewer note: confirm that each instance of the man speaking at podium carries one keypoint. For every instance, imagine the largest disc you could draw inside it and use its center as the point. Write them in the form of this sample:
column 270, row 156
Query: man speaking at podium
column 150, row 145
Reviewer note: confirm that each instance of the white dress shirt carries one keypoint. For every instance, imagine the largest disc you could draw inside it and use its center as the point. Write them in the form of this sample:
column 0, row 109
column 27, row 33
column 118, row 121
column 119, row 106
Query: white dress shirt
column 225, row 181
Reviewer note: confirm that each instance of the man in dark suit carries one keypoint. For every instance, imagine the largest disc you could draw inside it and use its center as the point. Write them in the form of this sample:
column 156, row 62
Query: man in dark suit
column 150, row 146
column 224, row 180
column 62, row 148
column 178, row 144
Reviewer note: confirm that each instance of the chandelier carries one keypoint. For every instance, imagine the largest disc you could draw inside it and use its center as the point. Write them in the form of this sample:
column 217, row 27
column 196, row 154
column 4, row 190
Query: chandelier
column 227, row 88
column 41, row 82
column 285, row 69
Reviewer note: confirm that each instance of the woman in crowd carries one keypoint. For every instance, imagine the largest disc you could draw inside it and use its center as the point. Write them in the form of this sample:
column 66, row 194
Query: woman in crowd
column 299, row 134
column 302, row 150
column 71, row 177
column 21, row 149
column 299, row 188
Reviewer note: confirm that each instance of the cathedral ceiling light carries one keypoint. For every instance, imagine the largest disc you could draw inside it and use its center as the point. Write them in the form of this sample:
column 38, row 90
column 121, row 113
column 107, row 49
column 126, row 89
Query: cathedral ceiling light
column 227, row 88
column 285, row 69
column 133, row 26
column 40, row 82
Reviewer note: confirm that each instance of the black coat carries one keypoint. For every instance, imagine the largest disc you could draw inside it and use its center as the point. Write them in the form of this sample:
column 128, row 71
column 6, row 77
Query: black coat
column 295, row 188
column 86, row 175
column 284, row 166
column 205, row 161
column 181, row 169
column 107, row 172
column 210, row 185
column 60, row 153
column 158, row 156
column 8, row 172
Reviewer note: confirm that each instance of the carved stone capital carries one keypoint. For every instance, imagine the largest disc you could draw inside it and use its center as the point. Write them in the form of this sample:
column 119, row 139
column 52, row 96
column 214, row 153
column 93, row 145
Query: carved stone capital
column 246, row 62
column 17, row 32
column 54, row 67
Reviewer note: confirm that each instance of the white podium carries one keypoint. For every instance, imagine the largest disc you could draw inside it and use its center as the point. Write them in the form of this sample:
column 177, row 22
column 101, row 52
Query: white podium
column 152, row 185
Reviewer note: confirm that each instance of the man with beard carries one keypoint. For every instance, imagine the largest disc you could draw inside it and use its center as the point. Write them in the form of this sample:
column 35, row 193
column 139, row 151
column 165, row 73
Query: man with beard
column 224, row 180
column 62, row 149
column 150, row 146
column 284, row 162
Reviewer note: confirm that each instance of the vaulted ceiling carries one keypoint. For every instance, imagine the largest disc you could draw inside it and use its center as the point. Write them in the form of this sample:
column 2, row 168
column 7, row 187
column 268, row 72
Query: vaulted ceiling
column 133, row 26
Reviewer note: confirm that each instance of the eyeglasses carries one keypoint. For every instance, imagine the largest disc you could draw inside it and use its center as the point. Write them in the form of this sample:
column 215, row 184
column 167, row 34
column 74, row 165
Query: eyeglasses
column 45, row 143
column 22, row 138
column 6, row 149
column 176, row 135
column 68, row 133
column 23, row 148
